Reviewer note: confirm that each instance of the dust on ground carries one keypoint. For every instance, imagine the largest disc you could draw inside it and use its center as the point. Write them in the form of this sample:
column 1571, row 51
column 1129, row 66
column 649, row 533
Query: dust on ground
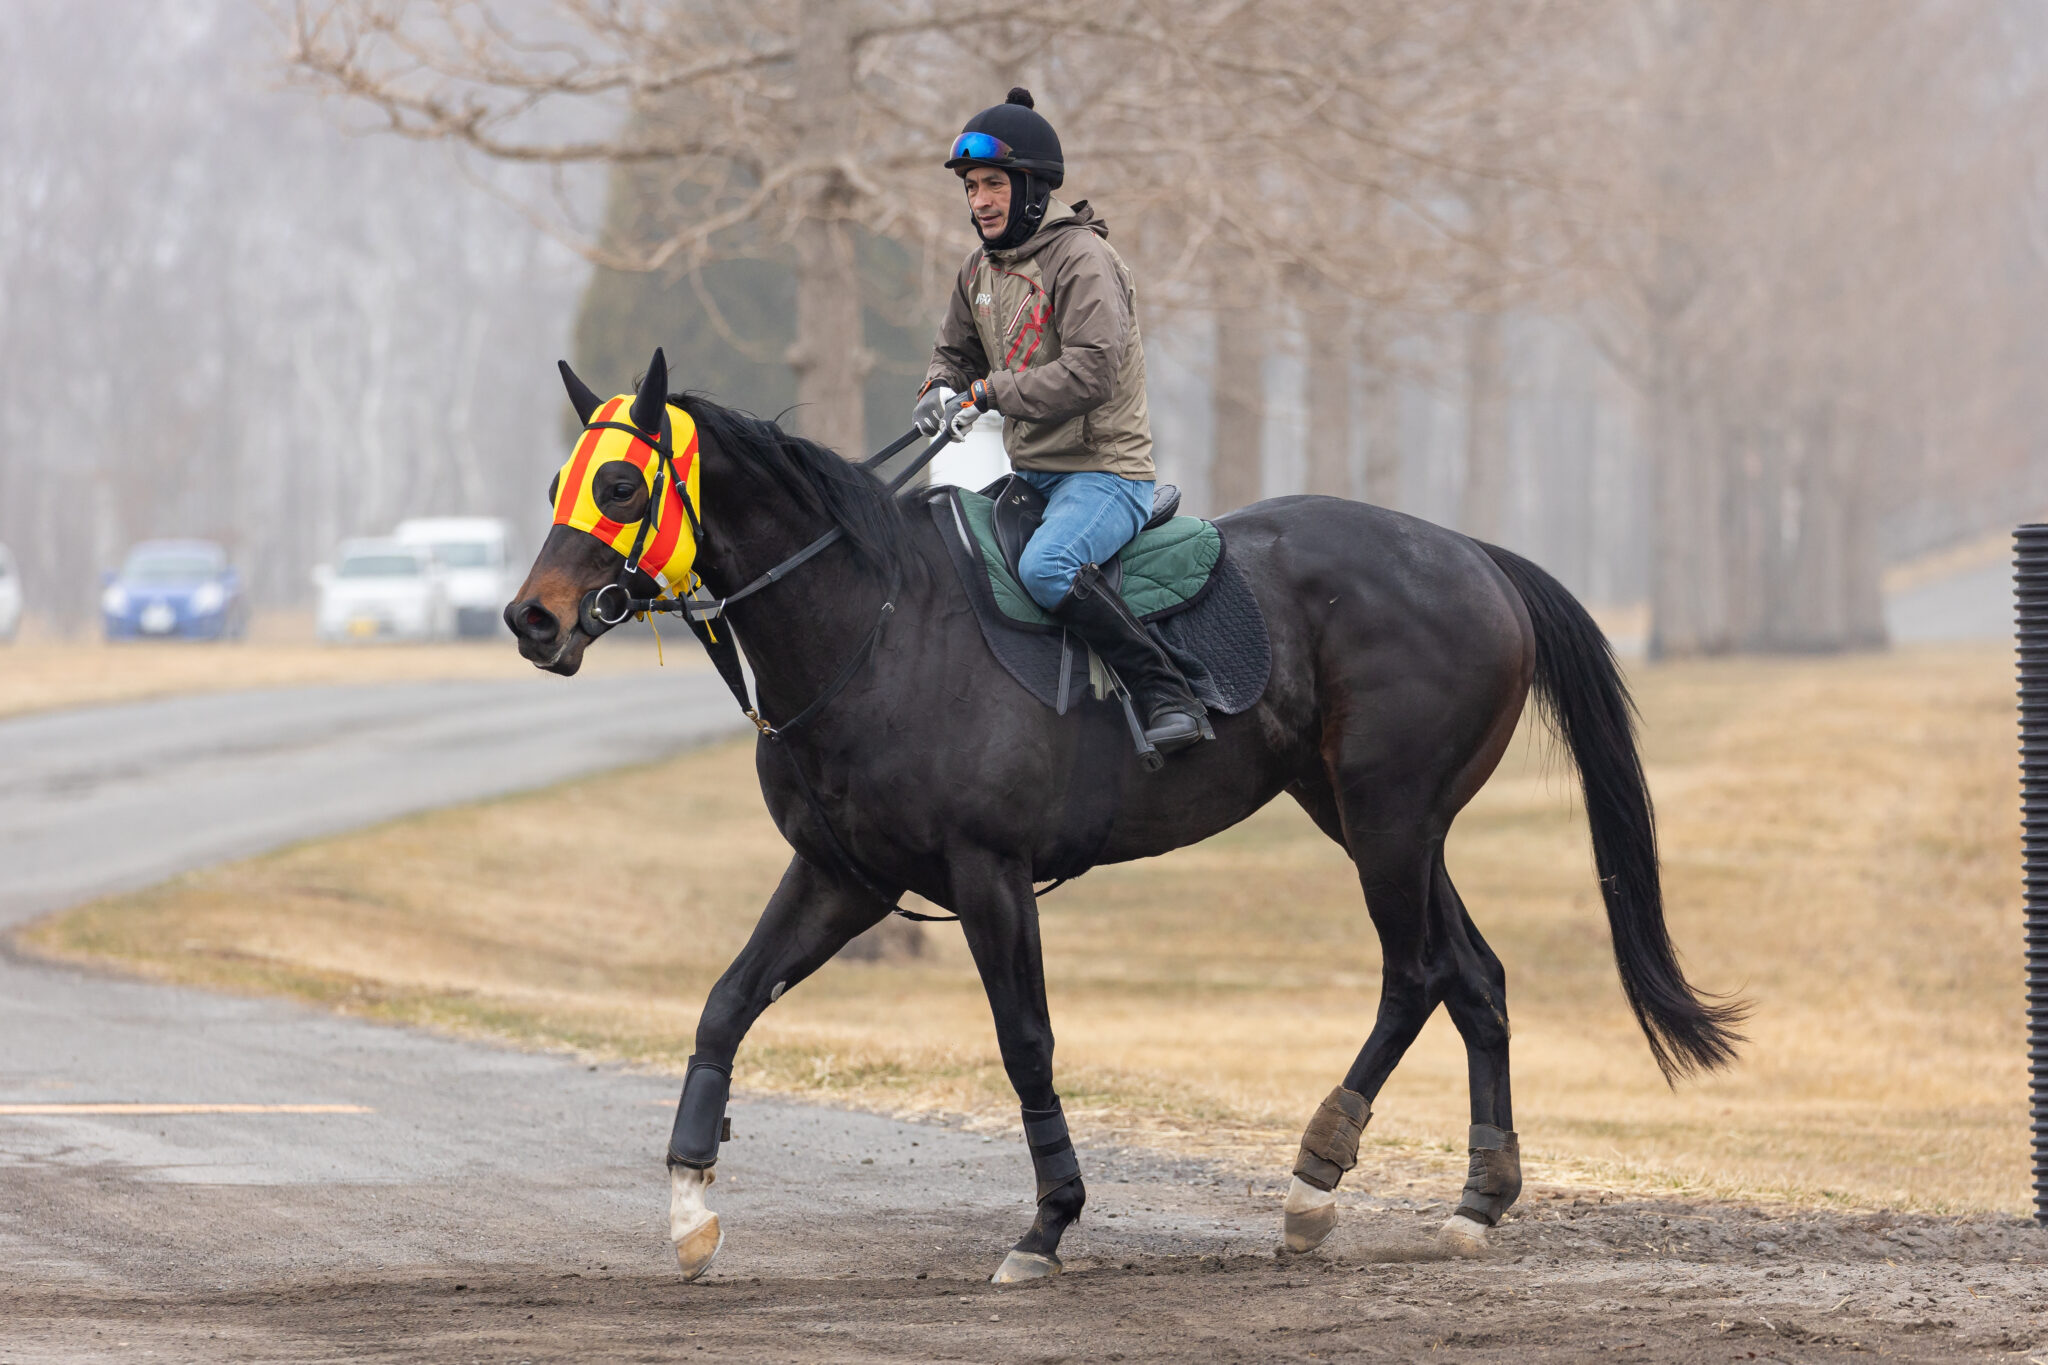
column 1573, row 1275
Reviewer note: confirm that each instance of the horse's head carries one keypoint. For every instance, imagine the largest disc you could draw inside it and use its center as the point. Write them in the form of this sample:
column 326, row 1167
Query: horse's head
column 637, row 452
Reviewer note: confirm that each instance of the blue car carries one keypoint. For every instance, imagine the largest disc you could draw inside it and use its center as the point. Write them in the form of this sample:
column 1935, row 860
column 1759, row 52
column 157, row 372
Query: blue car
column 174, row 588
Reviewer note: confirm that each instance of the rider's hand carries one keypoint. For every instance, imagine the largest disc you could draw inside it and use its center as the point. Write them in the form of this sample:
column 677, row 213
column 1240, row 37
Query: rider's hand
column 962, row 411
column 930, row 415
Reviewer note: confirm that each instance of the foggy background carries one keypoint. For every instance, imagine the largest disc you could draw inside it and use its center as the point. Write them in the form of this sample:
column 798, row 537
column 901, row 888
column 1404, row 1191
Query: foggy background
column 1719, row 309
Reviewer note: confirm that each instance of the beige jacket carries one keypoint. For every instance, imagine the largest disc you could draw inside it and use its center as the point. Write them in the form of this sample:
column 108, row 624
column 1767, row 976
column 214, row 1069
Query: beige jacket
column 1053, row 325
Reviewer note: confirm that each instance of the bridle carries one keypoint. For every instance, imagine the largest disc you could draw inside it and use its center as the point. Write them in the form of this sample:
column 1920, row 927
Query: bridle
column 696, row 610
column 600, row 607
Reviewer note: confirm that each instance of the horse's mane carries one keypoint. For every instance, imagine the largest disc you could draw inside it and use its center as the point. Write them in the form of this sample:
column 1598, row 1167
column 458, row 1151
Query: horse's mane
column 812, row 476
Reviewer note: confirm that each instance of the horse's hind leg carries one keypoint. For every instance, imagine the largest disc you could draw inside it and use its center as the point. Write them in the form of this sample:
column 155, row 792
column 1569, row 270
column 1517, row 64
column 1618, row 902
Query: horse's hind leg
column 1475, row 994
column 1394, row 870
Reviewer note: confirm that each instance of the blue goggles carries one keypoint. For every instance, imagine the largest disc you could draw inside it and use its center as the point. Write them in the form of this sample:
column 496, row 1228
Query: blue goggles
column 980, row 147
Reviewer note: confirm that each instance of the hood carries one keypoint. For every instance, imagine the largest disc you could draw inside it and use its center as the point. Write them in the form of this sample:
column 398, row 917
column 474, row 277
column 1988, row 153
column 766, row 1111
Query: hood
column 376, row 589
column 1059, row 218
column 177, row 590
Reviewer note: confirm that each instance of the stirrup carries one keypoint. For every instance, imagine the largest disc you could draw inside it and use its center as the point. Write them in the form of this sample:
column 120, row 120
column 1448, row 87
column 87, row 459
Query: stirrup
column 1148, row 753
column 1174, row 743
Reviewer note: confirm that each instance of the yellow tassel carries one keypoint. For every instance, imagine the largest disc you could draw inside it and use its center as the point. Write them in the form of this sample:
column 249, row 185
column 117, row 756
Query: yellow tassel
column 691, row 591
column 659, row 662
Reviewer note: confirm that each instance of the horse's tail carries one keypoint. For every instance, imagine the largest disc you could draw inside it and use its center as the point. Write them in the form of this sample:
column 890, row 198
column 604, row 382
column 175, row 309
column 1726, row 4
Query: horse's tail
column 1589, row 708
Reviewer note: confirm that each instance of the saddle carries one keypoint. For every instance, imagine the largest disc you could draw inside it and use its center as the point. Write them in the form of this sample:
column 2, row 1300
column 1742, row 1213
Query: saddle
column 1174, row 576
column 1020, row 508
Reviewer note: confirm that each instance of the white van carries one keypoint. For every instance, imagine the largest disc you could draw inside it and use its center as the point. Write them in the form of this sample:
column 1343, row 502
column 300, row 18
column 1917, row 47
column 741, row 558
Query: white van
column 382, row 590
column 473, row 553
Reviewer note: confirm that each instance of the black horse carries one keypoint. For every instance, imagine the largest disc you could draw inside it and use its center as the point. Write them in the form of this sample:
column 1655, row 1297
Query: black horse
column 1402, row 656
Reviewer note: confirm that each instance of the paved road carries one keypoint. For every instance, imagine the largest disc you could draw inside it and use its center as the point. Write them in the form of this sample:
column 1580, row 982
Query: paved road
column 111, row 797
column 1975, row 604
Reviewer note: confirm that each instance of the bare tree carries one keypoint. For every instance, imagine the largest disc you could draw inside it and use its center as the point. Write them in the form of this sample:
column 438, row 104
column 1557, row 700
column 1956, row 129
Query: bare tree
column 219, row 317
column 781, row 127
column 1811, row 184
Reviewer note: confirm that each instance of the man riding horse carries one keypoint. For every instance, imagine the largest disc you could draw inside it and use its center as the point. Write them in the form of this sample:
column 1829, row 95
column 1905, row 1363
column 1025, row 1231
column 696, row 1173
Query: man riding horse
column 1042, row 327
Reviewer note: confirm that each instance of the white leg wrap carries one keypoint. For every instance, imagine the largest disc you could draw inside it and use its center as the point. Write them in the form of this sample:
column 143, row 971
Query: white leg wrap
column 1308, row 1216
column 692, row 1227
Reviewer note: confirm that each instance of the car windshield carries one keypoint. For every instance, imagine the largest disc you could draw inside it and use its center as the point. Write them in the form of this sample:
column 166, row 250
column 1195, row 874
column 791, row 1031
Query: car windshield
column 464, row 554
column 379, row 566
column 171, row 567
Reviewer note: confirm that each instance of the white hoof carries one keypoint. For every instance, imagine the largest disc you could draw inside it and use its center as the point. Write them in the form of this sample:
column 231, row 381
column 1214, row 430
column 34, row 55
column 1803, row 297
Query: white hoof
column 692, row 1227
column 1308, row 1216
column 1025, row 1265
column 1463, row 1234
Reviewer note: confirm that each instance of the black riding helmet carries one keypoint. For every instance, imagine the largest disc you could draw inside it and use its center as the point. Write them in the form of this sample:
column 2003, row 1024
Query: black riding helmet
column 1014, row 138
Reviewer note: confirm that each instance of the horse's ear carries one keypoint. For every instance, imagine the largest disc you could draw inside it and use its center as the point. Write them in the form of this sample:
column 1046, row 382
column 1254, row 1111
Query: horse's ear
column 653, row 397
column 580, row 397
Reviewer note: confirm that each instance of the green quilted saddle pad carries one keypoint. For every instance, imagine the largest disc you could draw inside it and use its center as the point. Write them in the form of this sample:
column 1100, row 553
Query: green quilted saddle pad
column 1165, row 568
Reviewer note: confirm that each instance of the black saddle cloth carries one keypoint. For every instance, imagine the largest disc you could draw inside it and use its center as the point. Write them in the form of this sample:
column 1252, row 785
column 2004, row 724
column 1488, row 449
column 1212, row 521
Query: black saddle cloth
column 1217, row 638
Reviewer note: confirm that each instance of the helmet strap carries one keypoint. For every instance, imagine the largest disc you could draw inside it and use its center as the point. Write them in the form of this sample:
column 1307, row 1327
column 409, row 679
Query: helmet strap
column 1029, row 194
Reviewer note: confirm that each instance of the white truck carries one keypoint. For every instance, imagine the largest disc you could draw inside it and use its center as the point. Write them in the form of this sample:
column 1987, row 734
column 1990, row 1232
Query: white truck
column 474, row 556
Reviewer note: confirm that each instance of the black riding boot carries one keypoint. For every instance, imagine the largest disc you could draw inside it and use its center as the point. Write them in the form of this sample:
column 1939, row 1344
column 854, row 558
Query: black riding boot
column 1173, row 715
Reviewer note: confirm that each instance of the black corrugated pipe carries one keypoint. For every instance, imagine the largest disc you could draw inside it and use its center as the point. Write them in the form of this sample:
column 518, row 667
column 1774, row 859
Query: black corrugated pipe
column 2030, row 592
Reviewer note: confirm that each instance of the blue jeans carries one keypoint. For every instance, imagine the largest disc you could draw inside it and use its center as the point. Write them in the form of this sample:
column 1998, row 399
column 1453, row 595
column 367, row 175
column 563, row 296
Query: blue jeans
column 1088, row 518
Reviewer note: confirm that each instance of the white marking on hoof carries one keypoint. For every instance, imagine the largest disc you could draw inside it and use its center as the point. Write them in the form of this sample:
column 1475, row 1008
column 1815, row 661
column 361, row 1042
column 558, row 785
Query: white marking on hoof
column 1463, row 1234
column 1025, row 1265
column 1308, row 1216
column 692, row 1227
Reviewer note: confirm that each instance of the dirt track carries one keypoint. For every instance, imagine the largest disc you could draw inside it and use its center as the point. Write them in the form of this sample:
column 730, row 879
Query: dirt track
column 1167, row 1265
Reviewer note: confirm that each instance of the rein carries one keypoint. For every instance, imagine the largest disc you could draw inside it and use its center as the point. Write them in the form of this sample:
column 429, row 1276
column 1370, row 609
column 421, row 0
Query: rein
column 724, row 651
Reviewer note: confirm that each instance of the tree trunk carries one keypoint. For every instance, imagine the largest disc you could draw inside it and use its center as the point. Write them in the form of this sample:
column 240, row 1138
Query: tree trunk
column 1238, row 393
column 1382, row 417
column 1689, row 563
column 1329, row 393
column 828, row 356
column 1486, row 430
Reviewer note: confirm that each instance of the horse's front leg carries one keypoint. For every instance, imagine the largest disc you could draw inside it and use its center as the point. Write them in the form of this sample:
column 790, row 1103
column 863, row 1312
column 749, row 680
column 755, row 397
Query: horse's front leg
column 809, row 918
column 999, row 916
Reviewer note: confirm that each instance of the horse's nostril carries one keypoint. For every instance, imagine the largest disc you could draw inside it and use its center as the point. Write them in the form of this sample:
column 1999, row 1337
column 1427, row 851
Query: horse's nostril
column 532, row 621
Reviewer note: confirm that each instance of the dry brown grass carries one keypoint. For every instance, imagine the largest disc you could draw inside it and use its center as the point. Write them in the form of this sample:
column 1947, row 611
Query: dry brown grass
column 1840, row 845
column 42, row 671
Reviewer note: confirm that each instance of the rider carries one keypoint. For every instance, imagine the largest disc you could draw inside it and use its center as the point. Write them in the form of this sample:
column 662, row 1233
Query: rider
column 1049, row 295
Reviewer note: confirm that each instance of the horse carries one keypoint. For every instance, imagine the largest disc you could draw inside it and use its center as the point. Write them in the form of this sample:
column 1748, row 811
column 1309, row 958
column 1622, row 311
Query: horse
column 1402, row 653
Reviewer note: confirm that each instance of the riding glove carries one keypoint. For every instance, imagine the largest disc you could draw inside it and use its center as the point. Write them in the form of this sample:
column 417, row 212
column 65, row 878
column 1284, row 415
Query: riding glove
column 930, row 415
column 941, row 409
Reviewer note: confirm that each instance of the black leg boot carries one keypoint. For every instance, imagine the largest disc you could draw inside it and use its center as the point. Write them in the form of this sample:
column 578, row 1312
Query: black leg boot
column 1174, row 718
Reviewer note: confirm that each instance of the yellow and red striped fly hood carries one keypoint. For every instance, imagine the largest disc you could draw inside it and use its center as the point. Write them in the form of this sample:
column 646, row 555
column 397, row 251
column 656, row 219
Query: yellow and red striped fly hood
column 671, row 546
